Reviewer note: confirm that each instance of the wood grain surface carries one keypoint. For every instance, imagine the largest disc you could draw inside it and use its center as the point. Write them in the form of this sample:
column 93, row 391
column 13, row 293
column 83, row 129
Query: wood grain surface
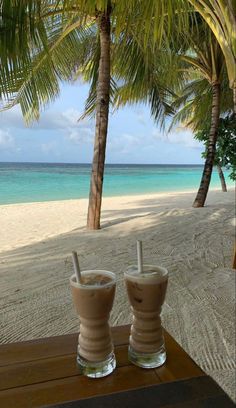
column 43, row 372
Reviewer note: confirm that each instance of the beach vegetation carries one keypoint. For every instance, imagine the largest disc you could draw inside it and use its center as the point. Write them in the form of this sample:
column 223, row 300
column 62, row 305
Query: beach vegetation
column 225, row 147
column 193, row 73
column 220, row 15
column 203, row 95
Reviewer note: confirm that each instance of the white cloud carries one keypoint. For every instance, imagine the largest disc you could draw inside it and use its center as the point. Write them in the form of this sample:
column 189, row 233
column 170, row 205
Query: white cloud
column 66, row 122
column 7, row 141
column 72, row 116
column 81, row 135
column 141, row 117
column 124, row 143
column 12, row 118
column 178, row 136
column 48, row 120
column 49, row 147
column 59, row 120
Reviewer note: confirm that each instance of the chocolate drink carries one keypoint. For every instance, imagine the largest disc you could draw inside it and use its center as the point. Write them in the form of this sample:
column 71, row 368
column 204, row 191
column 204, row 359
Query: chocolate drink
column 146, row 292
column 93, row 300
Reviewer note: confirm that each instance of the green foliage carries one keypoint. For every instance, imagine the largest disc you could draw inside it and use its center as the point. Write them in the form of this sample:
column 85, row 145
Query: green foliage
column 202, row 64
column 45, row 42
column 226, row 143
column 160, row 50
column 220, row 15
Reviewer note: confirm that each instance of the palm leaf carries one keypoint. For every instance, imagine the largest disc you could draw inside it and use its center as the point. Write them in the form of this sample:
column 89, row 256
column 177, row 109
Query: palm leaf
column 40, row 83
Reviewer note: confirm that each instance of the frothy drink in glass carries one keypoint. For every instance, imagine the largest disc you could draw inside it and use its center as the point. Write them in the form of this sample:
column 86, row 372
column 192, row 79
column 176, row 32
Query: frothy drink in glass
column 146, row 292
column 93, row 299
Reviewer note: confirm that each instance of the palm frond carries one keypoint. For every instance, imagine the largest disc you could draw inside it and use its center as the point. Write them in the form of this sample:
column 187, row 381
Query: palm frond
column 40, row 83
column 193, row 107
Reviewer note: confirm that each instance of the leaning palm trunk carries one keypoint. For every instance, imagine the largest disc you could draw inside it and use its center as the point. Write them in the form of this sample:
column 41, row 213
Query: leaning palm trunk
column 234, row 96
column 206, row 175
column 222, row 178
column 102, row 111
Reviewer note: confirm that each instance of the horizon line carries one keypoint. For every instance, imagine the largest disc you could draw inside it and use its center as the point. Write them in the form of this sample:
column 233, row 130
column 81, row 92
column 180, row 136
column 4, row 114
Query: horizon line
column 124, row 164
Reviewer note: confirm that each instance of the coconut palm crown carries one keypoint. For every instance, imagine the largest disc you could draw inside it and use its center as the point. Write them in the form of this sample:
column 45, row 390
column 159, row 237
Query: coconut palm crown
column 220, row 15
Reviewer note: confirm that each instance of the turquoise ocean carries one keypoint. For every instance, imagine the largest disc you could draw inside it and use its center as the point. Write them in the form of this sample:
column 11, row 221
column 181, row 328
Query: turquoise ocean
column 31, row 182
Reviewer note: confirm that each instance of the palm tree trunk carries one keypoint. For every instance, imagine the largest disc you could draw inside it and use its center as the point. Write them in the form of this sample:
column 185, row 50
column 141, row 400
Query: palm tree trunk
column 102, row 111
column 234, row 96
column 206, row 175
column 222, row 178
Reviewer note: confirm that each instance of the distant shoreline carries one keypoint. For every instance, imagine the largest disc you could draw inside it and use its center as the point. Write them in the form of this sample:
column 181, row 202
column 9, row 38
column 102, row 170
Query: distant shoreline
column 43, row 182
column 107, row 164
column 114, row 197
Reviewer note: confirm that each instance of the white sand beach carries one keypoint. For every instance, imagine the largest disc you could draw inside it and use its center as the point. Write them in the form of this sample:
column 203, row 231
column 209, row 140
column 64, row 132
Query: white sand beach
column 196, row 245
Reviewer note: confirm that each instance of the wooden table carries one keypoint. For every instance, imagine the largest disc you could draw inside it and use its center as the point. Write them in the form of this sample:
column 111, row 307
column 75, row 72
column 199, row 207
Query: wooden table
column 42, row 372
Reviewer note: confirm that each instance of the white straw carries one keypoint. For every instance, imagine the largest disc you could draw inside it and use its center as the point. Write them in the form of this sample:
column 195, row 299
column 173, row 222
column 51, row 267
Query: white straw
column 140, row 256
column 76, row 266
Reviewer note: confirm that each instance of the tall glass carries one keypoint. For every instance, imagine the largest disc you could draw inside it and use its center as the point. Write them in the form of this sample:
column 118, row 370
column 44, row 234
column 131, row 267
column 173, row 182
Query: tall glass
column 93, row 300
column 146, row 292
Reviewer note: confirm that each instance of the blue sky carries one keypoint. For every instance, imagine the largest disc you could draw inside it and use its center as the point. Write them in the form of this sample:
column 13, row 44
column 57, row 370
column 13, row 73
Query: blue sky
column 58, row 136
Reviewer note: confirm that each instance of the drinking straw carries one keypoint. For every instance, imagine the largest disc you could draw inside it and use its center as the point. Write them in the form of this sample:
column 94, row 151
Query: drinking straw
column 76, row 266
column 140, row 256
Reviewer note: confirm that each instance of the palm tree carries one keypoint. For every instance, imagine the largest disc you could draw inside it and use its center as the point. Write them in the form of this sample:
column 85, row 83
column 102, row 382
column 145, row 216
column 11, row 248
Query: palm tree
column 225, row 148
column 203, row 136
column 102, row 110
column 222, row 178
column 60, row 50
column 204, row 66
column 220, row 15
column 195, row 70
column 195, row 113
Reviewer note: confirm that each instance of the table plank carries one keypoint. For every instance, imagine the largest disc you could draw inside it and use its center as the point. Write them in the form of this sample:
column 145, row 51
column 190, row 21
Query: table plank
column 31, row 350
column 41, row 368
column 76, row 387
column 36, row 349
column 42, row 372
column 179, row 364
column 195, row 392
column 48, row 369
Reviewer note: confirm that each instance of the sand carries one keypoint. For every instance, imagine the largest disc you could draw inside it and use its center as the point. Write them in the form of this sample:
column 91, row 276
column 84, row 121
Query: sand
column 196, row 246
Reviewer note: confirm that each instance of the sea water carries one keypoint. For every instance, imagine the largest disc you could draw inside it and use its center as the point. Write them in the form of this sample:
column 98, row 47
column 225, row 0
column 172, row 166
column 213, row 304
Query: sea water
column 32, row 182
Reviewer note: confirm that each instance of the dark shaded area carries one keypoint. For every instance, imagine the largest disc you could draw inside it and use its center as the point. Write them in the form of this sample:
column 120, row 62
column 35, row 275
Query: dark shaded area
column 195, row 393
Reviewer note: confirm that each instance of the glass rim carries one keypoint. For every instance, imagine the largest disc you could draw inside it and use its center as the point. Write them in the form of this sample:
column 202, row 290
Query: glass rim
column 156, row 268
column 94, row 272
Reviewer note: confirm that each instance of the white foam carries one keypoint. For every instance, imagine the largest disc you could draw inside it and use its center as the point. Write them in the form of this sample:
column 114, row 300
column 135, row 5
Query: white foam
column 151, row 274
column 94, row 272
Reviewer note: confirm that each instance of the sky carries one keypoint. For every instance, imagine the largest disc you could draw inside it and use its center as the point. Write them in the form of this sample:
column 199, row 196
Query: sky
column 58, row 137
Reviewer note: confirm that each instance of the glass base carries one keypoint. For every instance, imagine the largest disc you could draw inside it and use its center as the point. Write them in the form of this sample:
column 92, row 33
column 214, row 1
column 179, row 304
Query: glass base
column 147, row 360
column 97, row 369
